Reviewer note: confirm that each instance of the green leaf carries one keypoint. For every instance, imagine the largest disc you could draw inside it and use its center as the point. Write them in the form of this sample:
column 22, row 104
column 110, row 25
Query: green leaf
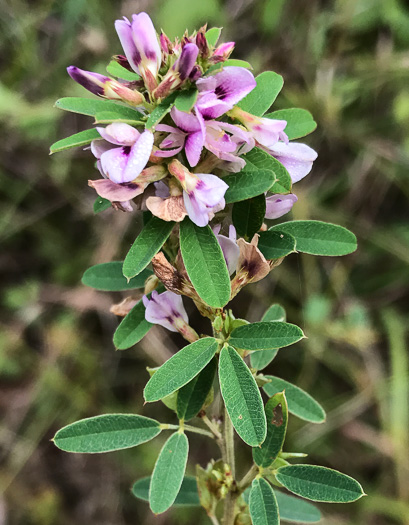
column 242, row 397
column 205, row 264
column 299, row 402
column 106, row 433
column 146, row 246
column 248, row 216
column 188, row 494
column 277, row 418
column 296, row 510
column 258, row 101
column 263, row 504
column 261, row 160
column 161, row 111
column 186, row 99
column 319, row 483
column 238, row 63
column 109, row 277
column 319, row 238
column 247, row 184
column 265, row 335
column 132, row 328
column 180, row 369
column 168, row 473
column 275, row 244
column 299, row 121
column 108, row 117
column 118, row 71
column 213, row 35
column 91, row 106
column 260, row 360
column 275, row 313
column 101, row 204
column 192, row 396
column 79, row 139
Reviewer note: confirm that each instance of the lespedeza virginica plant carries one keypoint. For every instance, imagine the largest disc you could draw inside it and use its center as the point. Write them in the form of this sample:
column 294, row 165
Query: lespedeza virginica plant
column 183, row 135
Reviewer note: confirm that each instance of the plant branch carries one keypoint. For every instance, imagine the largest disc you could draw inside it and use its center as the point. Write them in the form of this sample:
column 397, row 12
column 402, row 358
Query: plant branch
column 189, row 428
column 230, row 501
column 248, row 478
column 212, row 427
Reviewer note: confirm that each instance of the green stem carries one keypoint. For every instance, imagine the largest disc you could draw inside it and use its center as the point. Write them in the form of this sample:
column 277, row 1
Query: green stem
column 248, row 478
column 189, row 428
column 230, row 501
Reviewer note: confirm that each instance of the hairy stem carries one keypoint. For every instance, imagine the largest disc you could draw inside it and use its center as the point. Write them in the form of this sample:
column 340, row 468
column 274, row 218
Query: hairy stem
column 212, row 427
column 248, row 478
column 230, row 501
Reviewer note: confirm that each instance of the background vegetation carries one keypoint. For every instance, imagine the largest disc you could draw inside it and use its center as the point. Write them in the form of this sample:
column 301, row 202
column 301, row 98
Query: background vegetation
column 347, row 61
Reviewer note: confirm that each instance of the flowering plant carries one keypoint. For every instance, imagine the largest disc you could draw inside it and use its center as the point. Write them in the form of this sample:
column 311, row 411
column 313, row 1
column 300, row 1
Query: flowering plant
column 183, row 135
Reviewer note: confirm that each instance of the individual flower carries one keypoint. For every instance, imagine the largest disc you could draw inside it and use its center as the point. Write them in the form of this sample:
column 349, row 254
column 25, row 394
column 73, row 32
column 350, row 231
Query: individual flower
column 265, row 131
column 179, row 72
column 141, row 47
column 252, row 266
column 105, row 86
column 193, row 133
column 125, row 162
column 220, row 92
column 203, row 194
column 222, row 52
column 167, row 310
column 279, row 205
column 295, row 157
column 229, row 246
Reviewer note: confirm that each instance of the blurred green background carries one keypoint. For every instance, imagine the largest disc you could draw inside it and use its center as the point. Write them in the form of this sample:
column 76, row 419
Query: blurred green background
column 347, row 61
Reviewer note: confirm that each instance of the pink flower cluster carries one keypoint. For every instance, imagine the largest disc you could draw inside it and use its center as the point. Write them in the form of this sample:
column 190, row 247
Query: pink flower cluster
column 171, row 165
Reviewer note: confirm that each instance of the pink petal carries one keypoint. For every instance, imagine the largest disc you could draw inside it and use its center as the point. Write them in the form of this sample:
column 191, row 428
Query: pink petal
column 138, row 157
column 187, row 122
column 124, row 30
column 279, row 205
column 296, row 158
column 113, row 163
column 231, row 252
column 119, row 133
column 115, row 192
column 193, row 147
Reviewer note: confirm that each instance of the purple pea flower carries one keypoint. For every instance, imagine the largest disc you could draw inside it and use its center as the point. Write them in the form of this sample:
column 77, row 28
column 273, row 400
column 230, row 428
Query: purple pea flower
column 140, row 43
column 279, row 205
column 179, row 72
column 167, row 310
column 295, row 157
column 220, row 92
column 222, row 52
column 105, row 86
column 193, row 133
column 229, row 246
column 203, row 194
column 124, row 163
column 264, row 130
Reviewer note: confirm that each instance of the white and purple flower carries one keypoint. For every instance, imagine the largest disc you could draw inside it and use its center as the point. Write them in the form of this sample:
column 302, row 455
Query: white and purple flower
column 220, row 92
column 167, row 310
column 295, row 157
column 126, row 161
column 141, row 46
column 105, row 86
column 194, row 133
column 179, row 72
column 203, row 194
column 279, row 205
